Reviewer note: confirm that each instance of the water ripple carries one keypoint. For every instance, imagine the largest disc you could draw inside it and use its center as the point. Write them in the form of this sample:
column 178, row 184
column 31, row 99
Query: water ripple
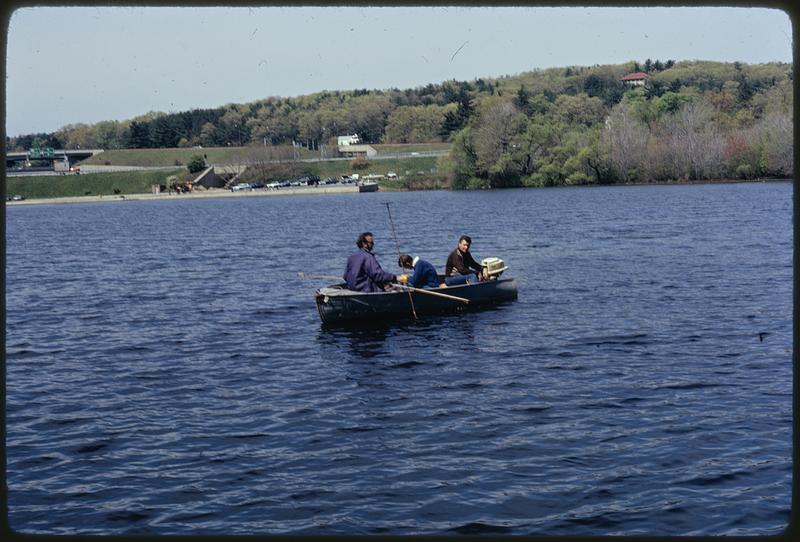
column 640, row 385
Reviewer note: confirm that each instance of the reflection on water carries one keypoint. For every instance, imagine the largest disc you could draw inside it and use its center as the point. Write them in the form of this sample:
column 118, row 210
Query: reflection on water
column 364, row 341
column 442, row 334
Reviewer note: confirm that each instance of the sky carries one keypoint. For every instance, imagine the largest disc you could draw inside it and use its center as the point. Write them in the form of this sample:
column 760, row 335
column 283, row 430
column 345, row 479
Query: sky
column 70, row 65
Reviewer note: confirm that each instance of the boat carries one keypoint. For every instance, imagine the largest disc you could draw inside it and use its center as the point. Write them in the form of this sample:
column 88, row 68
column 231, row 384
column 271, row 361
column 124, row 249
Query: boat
column 338, row 305
column 368, row 186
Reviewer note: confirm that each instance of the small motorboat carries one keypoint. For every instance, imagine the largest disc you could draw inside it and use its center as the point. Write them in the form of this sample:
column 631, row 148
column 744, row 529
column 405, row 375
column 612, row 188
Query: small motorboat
column 336, row 304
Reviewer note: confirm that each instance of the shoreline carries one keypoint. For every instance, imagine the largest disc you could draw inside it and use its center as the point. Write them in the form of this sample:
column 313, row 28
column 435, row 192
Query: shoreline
column 221, row 193
column 213, row 193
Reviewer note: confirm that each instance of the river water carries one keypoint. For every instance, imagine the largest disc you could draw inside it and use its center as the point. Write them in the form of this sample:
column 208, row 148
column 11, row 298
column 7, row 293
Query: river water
column 167, row 371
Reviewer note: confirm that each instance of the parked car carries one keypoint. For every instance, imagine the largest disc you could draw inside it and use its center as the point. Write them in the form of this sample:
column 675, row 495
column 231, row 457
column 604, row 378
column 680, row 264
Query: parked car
column 240, row 187
column 273, row 185
column 253, row 186
column 16, row 197
column 328, row 180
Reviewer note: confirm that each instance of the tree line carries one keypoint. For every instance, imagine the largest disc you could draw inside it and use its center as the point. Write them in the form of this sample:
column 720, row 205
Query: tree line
column 692, row 121
column 571, row 125
column 422, row 114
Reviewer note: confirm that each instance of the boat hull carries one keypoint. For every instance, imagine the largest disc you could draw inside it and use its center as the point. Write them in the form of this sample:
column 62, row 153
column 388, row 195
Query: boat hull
column 337, row 305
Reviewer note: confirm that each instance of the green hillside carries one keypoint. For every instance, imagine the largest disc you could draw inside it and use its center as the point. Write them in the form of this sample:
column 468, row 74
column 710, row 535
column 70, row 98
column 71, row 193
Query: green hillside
column 689, row 120
column 96, row 184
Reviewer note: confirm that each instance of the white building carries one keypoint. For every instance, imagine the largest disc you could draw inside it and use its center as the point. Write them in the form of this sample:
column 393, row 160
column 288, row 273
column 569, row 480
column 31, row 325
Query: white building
column 349, row 140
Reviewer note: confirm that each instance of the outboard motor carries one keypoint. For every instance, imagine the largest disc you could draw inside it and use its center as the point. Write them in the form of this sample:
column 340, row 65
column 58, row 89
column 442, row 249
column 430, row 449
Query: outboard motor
column 494, row 267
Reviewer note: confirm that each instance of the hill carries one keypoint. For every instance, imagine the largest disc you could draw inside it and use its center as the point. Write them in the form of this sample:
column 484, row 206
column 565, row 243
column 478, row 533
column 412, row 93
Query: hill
column 688, row 120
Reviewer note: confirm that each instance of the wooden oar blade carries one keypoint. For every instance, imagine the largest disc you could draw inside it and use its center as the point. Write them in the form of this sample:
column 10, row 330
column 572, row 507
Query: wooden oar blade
column 437, row 294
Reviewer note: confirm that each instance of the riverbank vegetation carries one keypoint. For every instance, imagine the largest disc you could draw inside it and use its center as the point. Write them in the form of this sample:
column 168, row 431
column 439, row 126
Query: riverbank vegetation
column 688, row 120
column 700, row 122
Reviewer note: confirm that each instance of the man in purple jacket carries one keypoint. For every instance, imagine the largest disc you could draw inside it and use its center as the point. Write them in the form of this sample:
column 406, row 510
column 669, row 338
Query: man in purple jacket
column 363, row 273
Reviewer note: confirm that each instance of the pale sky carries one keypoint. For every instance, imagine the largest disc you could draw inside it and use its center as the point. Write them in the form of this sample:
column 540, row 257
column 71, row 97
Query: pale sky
column 69, row 65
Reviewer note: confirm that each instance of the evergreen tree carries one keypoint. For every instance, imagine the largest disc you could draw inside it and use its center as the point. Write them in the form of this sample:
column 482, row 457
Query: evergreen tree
column 654, row 88
column 521, row 100
column 465, row 109
column 746, row 87
column 196, row 164
column 163, row 132
column 138, row 135
column 593, row 85
column 455, row 120
column 450, row 124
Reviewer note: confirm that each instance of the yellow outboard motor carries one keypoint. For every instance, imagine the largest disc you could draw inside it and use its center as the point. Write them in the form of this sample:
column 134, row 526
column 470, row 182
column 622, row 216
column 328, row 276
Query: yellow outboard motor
column 494, row 267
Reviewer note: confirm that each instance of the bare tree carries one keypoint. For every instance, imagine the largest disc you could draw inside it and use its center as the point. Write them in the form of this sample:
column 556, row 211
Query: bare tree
column 499, row 122
column 685, row 132
column 775, row 133
column 268, row 163
column 627, row 139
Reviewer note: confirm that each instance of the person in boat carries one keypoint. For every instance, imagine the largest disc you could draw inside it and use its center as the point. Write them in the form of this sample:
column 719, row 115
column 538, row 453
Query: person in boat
column 424, row 275
column 363, row 273
column 461, row 267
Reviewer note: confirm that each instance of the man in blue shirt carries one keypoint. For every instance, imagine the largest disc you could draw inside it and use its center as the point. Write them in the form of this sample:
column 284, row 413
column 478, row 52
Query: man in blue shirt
column 424, row 276
column 363, row 273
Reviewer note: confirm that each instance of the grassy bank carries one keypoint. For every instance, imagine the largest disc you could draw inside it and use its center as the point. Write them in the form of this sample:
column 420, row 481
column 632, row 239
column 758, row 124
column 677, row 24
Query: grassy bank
column 389, row 148
column 179, row 156
column 402, row 166
column 95, row 184
column 225, row 155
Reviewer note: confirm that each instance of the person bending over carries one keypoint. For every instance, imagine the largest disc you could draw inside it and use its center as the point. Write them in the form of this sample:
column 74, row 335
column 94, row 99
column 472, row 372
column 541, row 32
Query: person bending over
column 424, row 275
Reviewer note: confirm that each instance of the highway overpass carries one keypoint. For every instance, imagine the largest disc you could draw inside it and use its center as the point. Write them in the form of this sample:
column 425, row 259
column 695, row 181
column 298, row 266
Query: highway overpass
column 16, row 159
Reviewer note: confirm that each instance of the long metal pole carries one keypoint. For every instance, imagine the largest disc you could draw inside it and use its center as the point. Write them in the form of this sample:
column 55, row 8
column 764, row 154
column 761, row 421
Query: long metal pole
column 397, row 246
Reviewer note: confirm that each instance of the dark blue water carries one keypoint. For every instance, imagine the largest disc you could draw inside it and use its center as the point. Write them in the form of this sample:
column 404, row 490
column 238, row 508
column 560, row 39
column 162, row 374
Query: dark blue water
column 167, row 372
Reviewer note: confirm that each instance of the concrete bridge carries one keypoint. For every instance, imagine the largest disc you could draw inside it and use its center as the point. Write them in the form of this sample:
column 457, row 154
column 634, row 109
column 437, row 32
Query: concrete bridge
column 59, row 155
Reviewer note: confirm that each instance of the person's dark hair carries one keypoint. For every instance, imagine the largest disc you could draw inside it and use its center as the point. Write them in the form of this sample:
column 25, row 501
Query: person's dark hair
column 405, row 261
column 362, row 239
column 466, row 238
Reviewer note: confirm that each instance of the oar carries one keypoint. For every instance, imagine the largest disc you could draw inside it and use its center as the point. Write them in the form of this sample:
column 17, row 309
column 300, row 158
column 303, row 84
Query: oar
column 438, row 294
column 410, row 288
column 305, row 276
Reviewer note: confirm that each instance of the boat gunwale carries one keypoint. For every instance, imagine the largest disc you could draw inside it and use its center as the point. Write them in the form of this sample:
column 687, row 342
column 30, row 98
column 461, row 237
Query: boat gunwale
column 447, row 289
